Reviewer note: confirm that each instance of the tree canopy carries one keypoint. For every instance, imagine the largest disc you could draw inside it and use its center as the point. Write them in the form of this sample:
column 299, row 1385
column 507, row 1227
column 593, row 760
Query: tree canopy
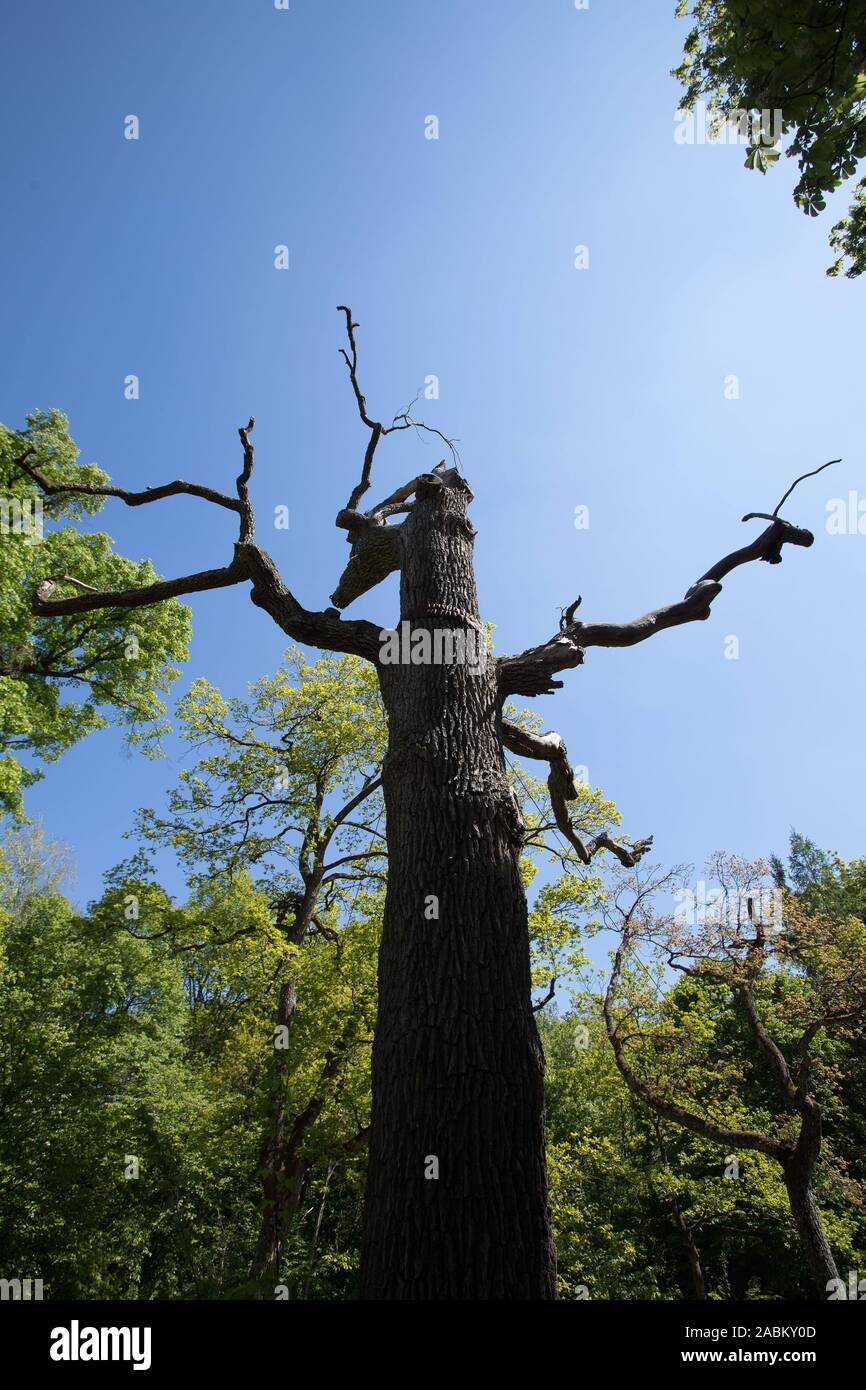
column 61, row 681
column 806, row 61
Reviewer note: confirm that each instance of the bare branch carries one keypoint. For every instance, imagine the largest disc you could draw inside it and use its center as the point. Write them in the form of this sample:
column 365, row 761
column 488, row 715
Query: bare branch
column 244, row 505
column 374, row 426
column 779, row 505
column 241, row 505
column 547, row 997
column 45, row 607
column 326, row 630
column 317, row 629
column 530, row 672
column 132, row 499
column 560, row 783
column 404, row 421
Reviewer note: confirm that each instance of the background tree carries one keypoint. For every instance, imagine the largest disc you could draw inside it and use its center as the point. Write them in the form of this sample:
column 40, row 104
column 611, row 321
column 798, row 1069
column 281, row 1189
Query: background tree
column 789, row 979
column 645, row 1209
column 457, row 1064
column 59, row 680
column 105, row 1191
column 152, row 1038
column 289, row 791
column 807, row 60
column 134, row 1062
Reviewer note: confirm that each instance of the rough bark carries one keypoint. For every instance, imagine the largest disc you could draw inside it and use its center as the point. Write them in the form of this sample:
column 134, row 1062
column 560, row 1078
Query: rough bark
column 457, row 1063
column 813, row 1237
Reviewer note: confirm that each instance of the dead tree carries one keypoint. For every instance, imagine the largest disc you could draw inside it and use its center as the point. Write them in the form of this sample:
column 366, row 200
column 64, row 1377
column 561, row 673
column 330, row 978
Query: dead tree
column 457, row 1064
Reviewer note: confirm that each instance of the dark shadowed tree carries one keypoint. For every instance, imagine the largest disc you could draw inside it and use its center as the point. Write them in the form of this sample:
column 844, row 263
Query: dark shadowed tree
column 457, row 1065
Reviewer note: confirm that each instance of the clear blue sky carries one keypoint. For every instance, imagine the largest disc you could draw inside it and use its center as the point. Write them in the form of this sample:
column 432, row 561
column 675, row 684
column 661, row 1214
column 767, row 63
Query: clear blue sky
column 602, row 387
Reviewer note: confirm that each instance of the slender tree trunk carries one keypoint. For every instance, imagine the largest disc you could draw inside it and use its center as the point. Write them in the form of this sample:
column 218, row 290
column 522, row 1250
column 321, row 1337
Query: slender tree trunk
column 807, row 1220
column 456, row 1199
column 694, row 1254
column 315, row 1236
column 266, row 1259
column 280, row 1190
column 685, row 1230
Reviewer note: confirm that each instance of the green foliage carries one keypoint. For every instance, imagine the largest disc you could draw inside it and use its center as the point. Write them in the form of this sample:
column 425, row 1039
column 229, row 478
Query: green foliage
column 93, row 1077
column 298, row 744
column 803, row 58
column 144, row 1028
column 150, row 1037
column 59, row 678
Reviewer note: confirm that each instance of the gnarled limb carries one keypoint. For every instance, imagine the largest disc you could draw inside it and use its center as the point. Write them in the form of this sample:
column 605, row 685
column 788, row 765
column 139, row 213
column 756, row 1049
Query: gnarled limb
column 45, row 607
column 245, row 507
column 375, row 546
column 560, row 783
column 531, row 671
column 327, row 629
column 375, row 555
column 132, row 499
column 250, row 563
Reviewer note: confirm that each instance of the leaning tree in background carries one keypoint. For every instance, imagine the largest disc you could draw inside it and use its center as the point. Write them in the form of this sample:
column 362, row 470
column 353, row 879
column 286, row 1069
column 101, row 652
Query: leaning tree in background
column 457, row 1064
column 790, row 973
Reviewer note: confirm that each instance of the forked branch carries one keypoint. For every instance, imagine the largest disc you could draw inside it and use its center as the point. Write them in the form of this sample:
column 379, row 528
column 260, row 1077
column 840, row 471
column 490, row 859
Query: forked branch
column 531, row 671
column 132, row 499
column 403, row 421
column 560, row 783
column 250, row 563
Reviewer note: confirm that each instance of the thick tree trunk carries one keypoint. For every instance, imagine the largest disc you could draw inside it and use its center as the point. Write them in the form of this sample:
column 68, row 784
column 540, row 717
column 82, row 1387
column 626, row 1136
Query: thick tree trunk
column 456, row 1202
